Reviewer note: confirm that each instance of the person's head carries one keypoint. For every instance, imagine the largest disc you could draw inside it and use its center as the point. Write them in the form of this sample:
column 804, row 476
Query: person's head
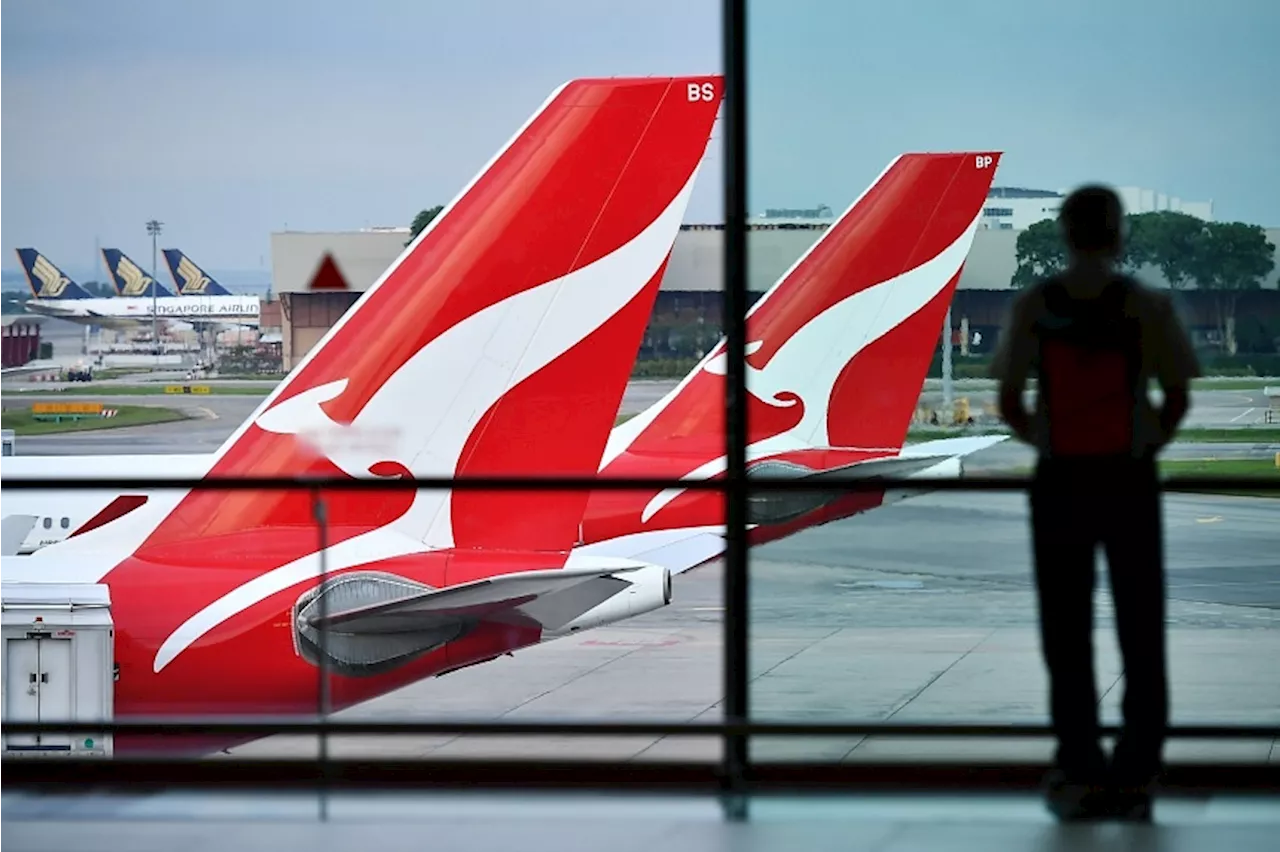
column 1092, row 220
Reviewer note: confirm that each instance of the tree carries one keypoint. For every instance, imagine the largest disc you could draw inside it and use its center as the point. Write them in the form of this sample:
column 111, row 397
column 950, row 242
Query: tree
column 422, row 220
column 1167, row 240
column 1231, row 257
column 1040, row 252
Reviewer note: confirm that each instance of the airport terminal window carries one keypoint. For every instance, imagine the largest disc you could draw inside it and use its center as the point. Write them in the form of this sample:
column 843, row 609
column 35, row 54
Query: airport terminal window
column 846, row 618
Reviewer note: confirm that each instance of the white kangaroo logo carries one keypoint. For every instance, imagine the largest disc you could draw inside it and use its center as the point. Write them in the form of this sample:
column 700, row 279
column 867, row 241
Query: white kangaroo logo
column 808, row 363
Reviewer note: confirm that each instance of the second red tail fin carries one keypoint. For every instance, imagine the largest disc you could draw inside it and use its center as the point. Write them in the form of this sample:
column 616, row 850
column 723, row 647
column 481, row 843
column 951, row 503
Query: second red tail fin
column 838, row 349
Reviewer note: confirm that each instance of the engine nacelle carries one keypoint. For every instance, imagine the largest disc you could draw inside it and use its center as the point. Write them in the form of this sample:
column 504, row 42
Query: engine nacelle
column 650, row 589
column 371, row 652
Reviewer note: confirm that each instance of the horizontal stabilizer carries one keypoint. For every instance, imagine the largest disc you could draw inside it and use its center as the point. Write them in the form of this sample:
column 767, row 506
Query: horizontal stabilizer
column 14, row 530
column 420, row 606
column 366, row 623
column 901, row 465
column 953, row 446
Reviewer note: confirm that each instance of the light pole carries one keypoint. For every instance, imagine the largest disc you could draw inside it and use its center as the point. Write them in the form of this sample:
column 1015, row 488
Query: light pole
column 154, row 226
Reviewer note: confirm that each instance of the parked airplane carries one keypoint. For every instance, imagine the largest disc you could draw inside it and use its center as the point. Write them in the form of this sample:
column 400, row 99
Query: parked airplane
column 198, row 310
column 190, row 279
column 502, row 339
column 839, row 348
column 56, row 295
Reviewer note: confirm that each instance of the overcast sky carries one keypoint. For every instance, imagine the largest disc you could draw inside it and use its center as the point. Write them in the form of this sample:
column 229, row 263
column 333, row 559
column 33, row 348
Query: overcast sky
column 232, row 119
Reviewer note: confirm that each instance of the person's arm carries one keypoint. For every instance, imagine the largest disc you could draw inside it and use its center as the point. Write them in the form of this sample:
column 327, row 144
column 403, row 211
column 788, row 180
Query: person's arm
column 1011, row 365
column 1177, row 400
column 1176, row 366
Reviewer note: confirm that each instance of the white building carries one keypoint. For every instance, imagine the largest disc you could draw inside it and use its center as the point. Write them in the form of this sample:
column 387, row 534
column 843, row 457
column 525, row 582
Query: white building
column 1012, row 208
column 1138, row 200
column 792, row 217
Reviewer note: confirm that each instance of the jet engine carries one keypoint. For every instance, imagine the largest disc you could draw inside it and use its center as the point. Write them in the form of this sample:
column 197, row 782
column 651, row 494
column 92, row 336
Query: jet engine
column 648, row 588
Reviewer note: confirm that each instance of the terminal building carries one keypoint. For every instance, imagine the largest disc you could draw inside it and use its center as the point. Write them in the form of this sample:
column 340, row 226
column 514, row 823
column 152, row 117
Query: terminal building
column 687, row 318
column 1014, row 208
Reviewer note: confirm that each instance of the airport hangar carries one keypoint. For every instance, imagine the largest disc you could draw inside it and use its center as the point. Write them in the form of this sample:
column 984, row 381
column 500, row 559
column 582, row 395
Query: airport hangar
column 686, row 319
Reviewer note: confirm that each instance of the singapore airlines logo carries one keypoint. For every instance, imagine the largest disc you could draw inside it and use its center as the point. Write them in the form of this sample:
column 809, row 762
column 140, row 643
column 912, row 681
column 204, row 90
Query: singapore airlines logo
column 192, row 280
column 134, row 280
column 52, row 282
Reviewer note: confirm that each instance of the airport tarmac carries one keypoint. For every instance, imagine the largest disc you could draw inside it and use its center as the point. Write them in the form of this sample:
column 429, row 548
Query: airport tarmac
column 920, row 611
column 1209, row 408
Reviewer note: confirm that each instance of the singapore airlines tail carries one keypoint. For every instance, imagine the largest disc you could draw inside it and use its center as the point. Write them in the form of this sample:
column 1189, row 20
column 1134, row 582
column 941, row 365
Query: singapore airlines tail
column 190, row 279
column 128, row 277
column 47, row 281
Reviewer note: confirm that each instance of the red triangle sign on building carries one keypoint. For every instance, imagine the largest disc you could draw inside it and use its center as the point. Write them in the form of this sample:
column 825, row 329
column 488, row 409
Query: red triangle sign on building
column 328, row 276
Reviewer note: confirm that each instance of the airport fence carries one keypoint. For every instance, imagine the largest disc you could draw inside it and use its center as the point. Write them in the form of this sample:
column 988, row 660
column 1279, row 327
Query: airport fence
column 736, row 776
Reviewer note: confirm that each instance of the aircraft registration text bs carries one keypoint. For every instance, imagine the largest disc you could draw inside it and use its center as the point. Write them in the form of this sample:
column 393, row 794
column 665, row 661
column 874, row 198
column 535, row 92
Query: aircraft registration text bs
column 702, row 92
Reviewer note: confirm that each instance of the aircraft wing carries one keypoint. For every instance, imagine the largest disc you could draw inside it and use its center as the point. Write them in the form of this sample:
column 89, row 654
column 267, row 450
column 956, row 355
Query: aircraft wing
column 899, row 465
column 683, row 549
column 31, row 367
column 361, row 635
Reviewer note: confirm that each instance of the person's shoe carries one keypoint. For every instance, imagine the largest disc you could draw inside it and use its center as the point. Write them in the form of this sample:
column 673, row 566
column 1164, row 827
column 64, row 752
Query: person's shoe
column 1073, row 800
column 1131, row 804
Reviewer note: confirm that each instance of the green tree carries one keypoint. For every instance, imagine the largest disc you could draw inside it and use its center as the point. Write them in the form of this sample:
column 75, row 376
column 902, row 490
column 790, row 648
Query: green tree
column 1040, row 252
column 422, row 220
column 1167, row 240
column 1231, row 257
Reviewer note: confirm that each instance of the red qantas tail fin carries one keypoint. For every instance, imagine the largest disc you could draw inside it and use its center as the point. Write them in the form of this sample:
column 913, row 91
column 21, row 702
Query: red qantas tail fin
column 500, row 341
column 838, row 348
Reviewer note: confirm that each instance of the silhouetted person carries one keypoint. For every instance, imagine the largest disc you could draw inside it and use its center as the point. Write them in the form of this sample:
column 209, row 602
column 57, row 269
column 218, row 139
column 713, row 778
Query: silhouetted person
column 1095, row 339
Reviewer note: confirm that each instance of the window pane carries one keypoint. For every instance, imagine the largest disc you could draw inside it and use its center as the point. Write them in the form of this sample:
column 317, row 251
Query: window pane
column 902, row 199
column 502, row 208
